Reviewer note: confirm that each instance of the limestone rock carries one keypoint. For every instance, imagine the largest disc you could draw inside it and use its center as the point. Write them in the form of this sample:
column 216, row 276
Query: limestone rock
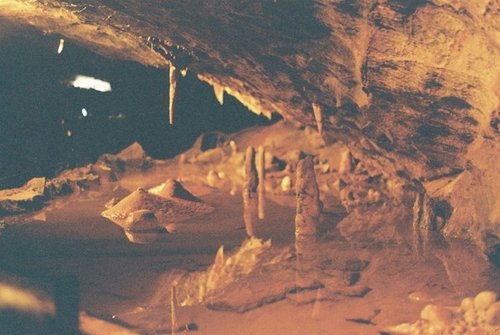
column 173, row 189
column 69, row 181
column 411, row 87
column 166, row 210
column 251, row 176
column 25, row 198
column 132, row 156
column 141, row 221
column 309, row 205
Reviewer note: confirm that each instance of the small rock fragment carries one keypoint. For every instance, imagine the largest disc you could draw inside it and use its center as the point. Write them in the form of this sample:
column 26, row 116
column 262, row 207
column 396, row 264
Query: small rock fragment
column 492, row 315
column 113, row 201
column 484, row 300
column 212, row 178
column 286, row 184
column 346, row 165
column 141, row 221
column 467, row 304
column 437, row 315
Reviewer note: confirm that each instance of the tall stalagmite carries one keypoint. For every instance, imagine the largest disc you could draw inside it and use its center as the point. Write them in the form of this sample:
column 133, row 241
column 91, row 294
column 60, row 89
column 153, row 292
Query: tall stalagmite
column 308, row 203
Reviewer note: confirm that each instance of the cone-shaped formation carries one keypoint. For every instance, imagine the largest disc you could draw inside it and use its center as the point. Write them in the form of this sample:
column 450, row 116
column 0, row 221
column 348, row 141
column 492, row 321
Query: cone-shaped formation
column 165, row 210
column 318, row 116
column 172, row 93
column 173, row 189
column 308, row 203
column 135, row 151
column 219, row 93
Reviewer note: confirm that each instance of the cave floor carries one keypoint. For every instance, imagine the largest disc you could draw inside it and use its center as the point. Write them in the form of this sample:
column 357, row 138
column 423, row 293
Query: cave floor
column 287, row 286
column 348, row 287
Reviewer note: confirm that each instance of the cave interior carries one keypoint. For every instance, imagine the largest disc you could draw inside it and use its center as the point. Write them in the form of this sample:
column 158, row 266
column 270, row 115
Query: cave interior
column 250, row 167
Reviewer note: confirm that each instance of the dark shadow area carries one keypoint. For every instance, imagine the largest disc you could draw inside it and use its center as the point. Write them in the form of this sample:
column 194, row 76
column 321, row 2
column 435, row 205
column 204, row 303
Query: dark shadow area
column 44, row 129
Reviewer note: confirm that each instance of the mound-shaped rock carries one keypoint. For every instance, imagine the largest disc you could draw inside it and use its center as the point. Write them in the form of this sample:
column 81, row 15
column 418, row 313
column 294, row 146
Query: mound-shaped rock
column 165, row 210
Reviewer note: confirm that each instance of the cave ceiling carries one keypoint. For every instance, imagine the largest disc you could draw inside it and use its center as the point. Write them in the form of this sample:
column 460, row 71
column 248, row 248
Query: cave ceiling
column 411, row 86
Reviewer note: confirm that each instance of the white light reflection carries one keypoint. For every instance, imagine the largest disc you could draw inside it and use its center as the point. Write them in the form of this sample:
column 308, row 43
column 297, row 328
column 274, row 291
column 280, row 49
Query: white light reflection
column 84, row 112
column 61, row 46
column 90, row 83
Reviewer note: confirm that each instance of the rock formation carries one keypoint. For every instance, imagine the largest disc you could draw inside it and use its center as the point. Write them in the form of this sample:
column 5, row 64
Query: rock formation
column 308, row 204
column 166, row 210
column 411, row 87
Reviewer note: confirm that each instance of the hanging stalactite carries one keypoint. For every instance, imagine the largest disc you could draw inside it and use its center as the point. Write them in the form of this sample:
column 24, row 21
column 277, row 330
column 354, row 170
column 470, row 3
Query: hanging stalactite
column 172, row 93
column 219, row 93
column 318, row 116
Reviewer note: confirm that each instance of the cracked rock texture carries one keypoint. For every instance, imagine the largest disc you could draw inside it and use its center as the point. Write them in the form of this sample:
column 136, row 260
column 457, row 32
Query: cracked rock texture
column 412, row 87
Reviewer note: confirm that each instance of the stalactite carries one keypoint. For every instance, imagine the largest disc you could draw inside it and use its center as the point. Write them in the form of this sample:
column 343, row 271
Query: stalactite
column 261, row 172
column 219, row 93
column 308, row 203
column 60, row 48
column 318, row 116
column 172, row 93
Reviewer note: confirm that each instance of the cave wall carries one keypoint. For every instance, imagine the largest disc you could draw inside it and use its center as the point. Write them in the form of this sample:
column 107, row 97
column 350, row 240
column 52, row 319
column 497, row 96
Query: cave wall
column 412, row 87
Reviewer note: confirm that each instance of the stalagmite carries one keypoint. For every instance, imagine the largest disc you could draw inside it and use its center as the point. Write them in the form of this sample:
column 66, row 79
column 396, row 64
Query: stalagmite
column 250, row 186
column 219, row 93
column 172, row 93
column 261, row 172
column 308, row 203
column 251, row 176
column 318, row 116
column 215, row 270
column 317, row 304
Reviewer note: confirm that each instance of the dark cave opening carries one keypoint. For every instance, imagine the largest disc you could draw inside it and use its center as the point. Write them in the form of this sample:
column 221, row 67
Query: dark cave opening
column 46, row 125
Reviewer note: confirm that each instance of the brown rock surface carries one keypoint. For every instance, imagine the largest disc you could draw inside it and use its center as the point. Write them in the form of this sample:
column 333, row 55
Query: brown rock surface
column 25, row 198
column 411, row 87
column 165, row 210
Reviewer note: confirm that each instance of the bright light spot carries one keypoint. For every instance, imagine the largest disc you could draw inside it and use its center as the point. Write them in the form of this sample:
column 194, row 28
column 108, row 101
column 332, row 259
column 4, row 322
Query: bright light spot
column 61, row 46
column 84, row 112
column 69, row 133
column 89, row 83
column 20, row 299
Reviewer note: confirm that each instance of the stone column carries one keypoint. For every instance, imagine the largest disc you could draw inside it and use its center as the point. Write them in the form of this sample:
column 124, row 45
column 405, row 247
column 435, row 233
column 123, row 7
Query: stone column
column 309, row 205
